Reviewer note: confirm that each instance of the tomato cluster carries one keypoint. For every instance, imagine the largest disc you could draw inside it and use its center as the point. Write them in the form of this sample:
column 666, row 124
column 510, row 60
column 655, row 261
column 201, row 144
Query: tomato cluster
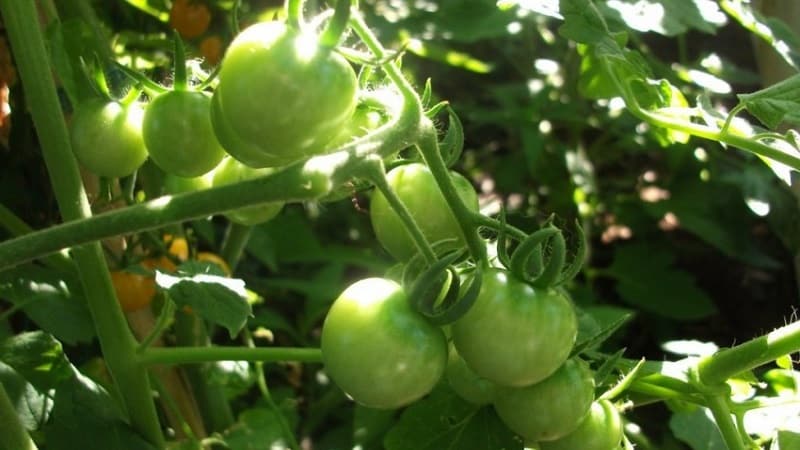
column 511, row 349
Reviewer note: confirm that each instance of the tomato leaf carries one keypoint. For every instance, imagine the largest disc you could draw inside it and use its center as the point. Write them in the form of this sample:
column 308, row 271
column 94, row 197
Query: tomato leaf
column 443, row 421
column 33, row 407
column 215, row 298
column 698, row 429
column 775, row 104
column 257, row 429
column 50, row 299
column 647, row 279
column 38, row 357
column 666, row 17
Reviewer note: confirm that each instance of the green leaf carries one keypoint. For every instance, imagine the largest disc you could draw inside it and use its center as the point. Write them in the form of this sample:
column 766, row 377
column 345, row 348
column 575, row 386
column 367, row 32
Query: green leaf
column 443, row 421
column 218, row 299
column 666, row 17
column 775, row 104
column 38, row 357
column 257, row 429
column 52, row 301
column 698, row 429
column 33, row 407
column 370, row 425
column 788, row 440
column 646, row 279
column 584, row 23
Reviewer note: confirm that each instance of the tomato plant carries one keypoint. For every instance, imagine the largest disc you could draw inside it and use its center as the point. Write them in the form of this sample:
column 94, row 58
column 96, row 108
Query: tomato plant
column 107, row 137
column 551, row 408
column 377, row 349
column 188, row 115
column 601, row 429
column 515, row 334
column 281, row 97
column 416, row 187
column 231, row 171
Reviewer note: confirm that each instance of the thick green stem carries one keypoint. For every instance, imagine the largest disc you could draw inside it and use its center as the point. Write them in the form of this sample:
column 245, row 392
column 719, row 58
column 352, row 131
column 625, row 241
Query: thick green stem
column 294, row 13
column 116, row 341
column 233, row 245
column 17, row 227
column 759, row 351
column 718, row 404
column 429, row 147
column 195, row 355
column 376, row 175
column 15, row 436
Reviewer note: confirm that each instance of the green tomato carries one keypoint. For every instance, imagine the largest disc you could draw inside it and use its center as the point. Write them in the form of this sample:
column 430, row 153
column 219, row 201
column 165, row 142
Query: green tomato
column 515, row 334
column 178, row 133
column 377, row 349
column 601, row 429
column 281, row 96
column 232, row 171
column 107, row 137
column 174, row 184
column 416, row 187
column 466, row 383
column 363, row 120
column 550, row 409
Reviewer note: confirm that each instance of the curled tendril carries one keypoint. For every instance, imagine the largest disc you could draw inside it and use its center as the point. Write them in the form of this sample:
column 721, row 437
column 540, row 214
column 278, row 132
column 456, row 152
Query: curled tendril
column 438, row 295
column 453, row 143
column 367, row 59
column 530, row 250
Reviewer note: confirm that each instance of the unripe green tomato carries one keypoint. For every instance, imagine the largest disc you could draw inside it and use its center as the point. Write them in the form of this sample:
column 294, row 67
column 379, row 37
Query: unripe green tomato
column 601, row 429
column 281, row 96
column 515, row 334
column 174, row 184
column 231, row 171
column 416, row 187
column 107, row 137
column 466, row 383
column 549, row 409
column 178, row 133
column 377, row 349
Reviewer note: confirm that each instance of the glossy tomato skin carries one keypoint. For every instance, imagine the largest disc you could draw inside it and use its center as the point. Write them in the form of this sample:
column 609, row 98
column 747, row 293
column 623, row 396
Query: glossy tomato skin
column 515, row 334
column 178, row 133
column 601, row 429
column 231, row 171
column 107, row 137
column 136, row 290
column 466, row 383
column 550, row 409
column 281, row 97
column 416, row 187
column 377, row 349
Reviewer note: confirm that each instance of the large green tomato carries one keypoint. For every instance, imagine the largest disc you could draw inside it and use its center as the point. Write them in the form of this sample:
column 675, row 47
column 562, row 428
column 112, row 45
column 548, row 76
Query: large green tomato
column 601, row 429
column 281, row 96
column 231, row 171
column 377, row 349
column 107, row 137
column 550, row 409
column 416, row 187
column 515, row 334
column 178, row 133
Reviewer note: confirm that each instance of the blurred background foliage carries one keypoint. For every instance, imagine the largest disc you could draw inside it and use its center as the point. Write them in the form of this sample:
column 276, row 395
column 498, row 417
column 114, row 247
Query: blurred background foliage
column 698, row 241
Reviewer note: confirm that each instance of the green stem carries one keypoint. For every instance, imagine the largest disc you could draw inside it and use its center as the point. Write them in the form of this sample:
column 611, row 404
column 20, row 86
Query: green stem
column 429, row 147
column 15, row 436
column 294, row 13
column 718, row 404
column 195, row 355
column 375, row 174
column 722, row 365
column 180, row 81
column 261, row 380
column 337, row 25
column 116, row 341
column 209, row 393
column 163, row 322
column 233, row 245
column 712, row 133
column 17, row 227
column 496, row 225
